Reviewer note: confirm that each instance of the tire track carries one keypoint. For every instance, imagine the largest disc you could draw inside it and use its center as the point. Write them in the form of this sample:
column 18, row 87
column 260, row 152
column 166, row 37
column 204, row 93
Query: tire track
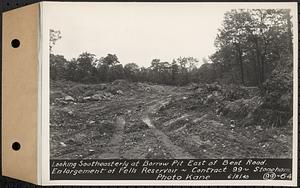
column 114, row 146
column 175, row 151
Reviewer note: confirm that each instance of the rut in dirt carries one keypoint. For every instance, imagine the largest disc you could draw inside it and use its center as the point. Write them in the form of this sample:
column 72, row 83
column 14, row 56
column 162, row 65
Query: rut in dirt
column 113, row 147
column 175, row 151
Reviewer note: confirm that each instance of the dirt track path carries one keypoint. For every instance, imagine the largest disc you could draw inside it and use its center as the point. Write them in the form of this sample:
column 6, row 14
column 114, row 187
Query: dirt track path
column 123, row 143
column 175, row 151
column 146, row 125
column 113, row 148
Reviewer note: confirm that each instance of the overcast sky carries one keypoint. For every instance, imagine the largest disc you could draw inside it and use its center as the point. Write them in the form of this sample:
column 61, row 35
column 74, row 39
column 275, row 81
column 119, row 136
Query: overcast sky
column 136, row 32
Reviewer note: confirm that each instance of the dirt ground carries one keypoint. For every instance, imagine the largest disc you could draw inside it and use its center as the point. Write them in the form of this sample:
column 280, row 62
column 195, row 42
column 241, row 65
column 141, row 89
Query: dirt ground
column 122, row 120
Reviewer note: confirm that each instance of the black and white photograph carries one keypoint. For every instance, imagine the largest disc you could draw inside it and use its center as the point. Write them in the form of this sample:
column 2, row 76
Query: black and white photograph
column 171, row 81
column 170, row 93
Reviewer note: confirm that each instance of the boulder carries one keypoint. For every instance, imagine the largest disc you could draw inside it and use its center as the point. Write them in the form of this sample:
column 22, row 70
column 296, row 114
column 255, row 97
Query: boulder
column 87, row 98
column 96, row 97
column 69, row 98
column 120, row 92
column 107, row 95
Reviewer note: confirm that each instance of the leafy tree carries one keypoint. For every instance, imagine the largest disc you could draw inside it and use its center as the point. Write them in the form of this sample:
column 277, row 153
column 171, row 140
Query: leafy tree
column 86, row 63
column 110, row 60
column 186, row 65
column 55, row 35
column 174, row 73
column 71, row 71
column 103, row 71
column 233, row 34
column 116, row 72
column 256, row 38
column 131, row 70
column 58, row 66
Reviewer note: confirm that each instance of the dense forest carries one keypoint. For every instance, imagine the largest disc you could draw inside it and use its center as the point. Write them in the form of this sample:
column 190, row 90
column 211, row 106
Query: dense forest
column 252, row 46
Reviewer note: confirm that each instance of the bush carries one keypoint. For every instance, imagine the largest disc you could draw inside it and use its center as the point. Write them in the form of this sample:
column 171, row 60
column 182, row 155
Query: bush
column 277, row 108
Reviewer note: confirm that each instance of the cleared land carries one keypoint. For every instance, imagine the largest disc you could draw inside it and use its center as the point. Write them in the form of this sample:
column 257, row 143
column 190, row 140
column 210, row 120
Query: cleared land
column 123, row 120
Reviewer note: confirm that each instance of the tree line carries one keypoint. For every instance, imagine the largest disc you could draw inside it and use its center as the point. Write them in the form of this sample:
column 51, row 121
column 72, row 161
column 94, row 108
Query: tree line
column 87, row 68
column 251, row 45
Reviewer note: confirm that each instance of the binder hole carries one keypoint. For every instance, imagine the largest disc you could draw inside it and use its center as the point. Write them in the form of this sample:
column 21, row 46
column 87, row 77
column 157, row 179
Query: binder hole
column 15, row 43
column 16, row 146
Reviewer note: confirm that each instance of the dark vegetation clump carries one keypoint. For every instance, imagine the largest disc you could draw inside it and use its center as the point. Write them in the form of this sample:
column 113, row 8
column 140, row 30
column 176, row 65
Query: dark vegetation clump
column 277, row 107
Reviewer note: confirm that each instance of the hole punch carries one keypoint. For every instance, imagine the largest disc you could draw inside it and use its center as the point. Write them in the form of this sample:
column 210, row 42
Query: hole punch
column 16, row 146
column 15, row 43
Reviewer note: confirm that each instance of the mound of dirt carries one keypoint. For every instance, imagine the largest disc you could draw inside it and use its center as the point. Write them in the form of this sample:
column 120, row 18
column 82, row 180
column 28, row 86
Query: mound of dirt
column 118, row 86
column 240, row 108
column 85, row 90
